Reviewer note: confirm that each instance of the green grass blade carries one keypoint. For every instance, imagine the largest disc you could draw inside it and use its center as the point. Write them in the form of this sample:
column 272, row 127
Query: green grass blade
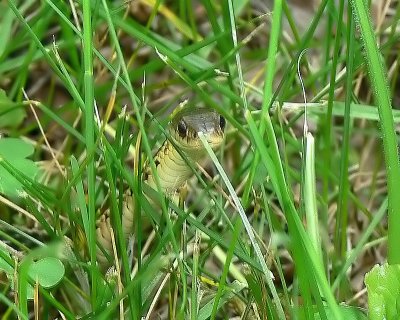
column 382, row 96
column 90, row 139
column 248, row 227
column 343, row 199
column 268, row 86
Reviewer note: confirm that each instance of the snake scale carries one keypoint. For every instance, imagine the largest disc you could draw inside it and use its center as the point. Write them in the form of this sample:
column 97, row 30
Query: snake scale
column 172, row 169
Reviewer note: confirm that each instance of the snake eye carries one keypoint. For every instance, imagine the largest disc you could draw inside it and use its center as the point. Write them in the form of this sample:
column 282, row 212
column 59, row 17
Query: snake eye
column 182, row 129
column 222, row 122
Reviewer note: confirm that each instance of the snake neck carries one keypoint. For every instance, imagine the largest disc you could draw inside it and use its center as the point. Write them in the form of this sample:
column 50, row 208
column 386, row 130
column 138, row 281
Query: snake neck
column 172, row 169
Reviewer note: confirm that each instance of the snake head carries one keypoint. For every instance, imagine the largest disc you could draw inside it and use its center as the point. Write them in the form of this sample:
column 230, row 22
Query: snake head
column 188, row 122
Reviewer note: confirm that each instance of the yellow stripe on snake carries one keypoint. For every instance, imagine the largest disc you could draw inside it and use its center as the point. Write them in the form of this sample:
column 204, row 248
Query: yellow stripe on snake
column 172, row 169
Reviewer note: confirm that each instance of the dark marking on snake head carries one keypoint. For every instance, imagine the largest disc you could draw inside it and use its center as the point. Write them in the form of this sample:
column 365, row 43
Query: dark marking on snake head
column 156, row 162
column 182, row 129
column 222, row 122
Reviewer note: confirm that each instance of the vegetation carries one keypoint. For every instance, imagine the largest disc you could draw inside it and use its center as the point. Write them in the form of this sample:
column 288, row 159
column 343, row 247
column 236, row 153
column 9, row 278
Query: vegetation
column 285, row 221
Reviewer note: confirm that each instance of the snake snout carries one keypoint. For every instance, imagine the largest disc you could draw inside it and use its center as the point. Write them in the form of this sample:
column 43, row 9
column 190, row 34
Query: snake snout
column 214, row 138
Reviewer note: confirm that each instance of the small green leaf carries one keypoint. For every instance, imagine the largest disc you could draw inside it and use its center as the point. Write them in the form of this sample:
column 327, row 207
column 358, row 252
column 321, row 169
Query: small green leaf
column 48, row 271
column 15, row 152
column 11, row 114
column 383, row 286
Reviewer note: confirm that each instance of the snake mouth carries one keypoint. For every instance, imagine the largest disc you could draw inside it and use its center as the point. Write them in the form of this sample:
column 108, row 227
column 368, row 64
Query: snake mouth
column 194, row 147
column 214, row 139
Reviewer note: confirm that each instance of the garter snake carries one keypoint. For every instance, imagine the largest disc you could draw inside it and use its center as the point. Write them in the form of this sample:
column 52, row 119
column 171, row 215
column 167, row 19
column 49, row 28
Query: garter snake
column 171, row 168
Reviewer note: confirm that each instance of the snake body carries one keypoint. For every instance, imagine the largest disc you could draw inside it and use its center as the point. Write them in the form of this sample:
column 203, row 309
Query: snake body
column 172, row 169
